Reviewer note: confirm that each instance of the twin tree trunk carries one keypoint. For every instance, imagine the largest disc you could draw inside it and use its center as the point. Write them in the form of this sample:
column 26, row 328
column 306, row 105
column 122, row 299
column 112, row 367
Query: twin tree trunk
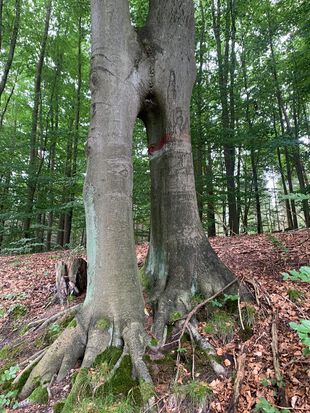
column 147, row 73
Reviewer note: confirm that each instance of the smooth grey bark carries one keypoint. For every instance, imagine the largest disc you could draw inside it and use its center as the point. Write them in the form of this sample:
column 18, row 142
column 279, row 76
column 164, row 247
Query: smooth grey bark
column 147, row 73
column 181, row 260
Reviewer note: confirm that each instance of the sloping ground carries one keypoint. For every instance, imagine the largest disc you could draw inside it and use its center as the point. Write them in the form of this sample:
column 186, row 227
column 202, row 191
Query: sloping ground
column 27, row 283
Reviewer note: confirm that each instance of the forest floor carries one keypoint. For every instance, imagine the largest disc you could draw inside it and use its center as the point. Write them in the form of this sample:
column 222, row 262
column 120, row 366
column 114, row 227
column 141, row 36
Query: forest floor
column 27, row 283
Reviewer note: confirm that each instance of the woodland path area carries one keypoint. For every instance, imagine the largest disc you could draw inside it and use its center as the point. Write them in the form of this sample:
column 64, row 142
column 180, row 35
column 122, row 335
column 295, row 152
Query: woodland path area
column 29, row 280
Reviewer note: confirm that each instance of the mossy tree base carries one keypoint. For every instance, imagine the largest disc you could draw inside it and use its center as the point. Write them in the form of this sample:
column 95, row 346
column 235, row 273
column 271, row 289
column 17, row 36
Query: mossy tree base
column 115, row 371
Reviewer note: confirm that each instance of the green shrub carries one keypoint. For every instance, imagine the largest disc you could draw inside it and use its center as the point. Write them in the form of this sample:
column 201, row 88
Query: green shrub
column 2, row 311
column 295, row 295
column 221, row 324
column 17, row 311
column 7, row 395
column 263, row 406
column 303, row 331
column 303, row 274
column 195, row 391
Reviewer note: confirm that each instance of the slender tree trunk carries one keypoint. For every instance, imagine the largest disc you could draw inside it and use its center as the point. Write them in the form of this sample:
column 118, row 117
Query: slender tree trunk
column 199, row 148
column 282, row 113
column 299, row 166
column 34, row 169
column 256, row 193
column 4, row 205
column 54, row 126
column 290, row 186
column 69, row 213
column 253, row 157
column 287, row 202
column 1, row 24
column 227, row 123
column 211, row 195
column 10, row 57
column 6, row 105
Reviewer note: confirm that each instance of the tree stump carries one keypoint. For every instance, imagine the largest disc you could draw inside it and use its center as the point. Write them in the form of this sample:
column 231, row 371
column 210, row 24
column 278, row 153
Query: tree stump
column 71, row 278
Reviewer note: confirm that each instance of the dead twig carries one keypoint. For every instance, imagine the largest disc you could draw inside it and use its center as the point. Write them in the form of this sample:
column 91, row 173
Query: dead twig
column 44, row 322
column 256, row 295
column 238, row 382
column 240, row 313
column 275, row 358
column 204, row 344
column 202, row 304
column 301, row 312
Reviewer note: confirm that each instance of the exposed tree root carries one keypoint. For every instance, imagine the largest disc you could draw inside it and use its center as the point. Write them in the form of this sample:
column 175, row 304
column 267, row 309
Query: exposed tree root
column 32, row 362
column 44, row 322
column 204, row 344
column 85, row 340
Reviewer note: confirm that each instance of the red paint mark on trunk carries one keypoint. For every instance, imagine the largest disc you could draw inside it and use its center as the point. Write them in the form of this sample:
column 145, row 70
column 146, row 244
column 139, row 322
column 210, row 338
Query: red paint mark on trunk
column 158, row 146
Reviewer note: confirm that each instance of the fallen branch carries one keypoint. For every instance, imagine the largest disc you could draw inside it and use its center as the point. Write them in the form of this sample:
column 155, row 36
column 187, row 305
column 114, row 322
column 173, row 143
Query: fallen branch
column 301, row 312
column 202, row 304
column 44, row 322
column 238, row 382
column 256, row 295
column 28, row 360
column 49, row 386
column 276, row 362
column 240, row 313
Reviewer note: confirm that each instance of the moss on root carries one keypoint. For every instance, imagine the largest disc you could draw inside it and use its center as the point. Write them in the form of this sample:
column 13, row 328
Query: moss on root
column 144, row 280
column 58, row 407
column 81, row 389
column 103, row 324
column 95, row 391
column 39, row 395
column 72, row 323
column 22, row 380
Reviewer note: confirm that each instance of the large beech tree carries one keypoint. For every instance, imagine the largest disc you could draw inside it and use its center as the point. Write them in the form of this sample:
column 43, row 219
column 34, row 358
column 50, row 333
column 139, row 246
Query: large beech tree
column 147, row 73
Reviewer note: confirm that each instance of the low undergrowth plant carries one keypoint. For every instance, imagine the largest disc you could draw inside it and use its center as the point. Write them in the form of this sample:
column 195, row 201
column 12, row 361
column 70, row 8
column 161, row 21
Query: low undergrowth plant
column 277, row 243
column 303, row 331
column 17, row 311
column 221, row 324
column 303, row 327
column 7, row 394
column 303, row 275
column 196, row 393
column 263, row 406
column 295, row 295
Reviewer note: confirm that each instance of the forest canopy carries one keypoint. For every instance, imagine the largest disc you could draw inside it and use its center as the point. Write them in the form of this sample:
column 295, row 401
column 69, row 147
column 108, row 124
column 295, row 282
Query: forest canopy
column 249, row 120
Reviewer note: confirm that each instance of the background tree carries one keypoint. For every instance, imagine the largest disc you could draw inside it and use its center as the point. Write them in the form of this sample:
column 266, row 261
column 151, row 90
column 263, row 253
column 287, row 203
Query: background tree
column 270, row 147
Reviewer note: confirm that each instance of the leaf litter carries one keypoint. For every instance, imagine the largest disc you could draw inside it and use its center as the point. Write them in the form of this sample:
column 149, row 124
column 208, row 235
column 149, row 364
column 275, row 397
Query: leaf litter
column 29, row 281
